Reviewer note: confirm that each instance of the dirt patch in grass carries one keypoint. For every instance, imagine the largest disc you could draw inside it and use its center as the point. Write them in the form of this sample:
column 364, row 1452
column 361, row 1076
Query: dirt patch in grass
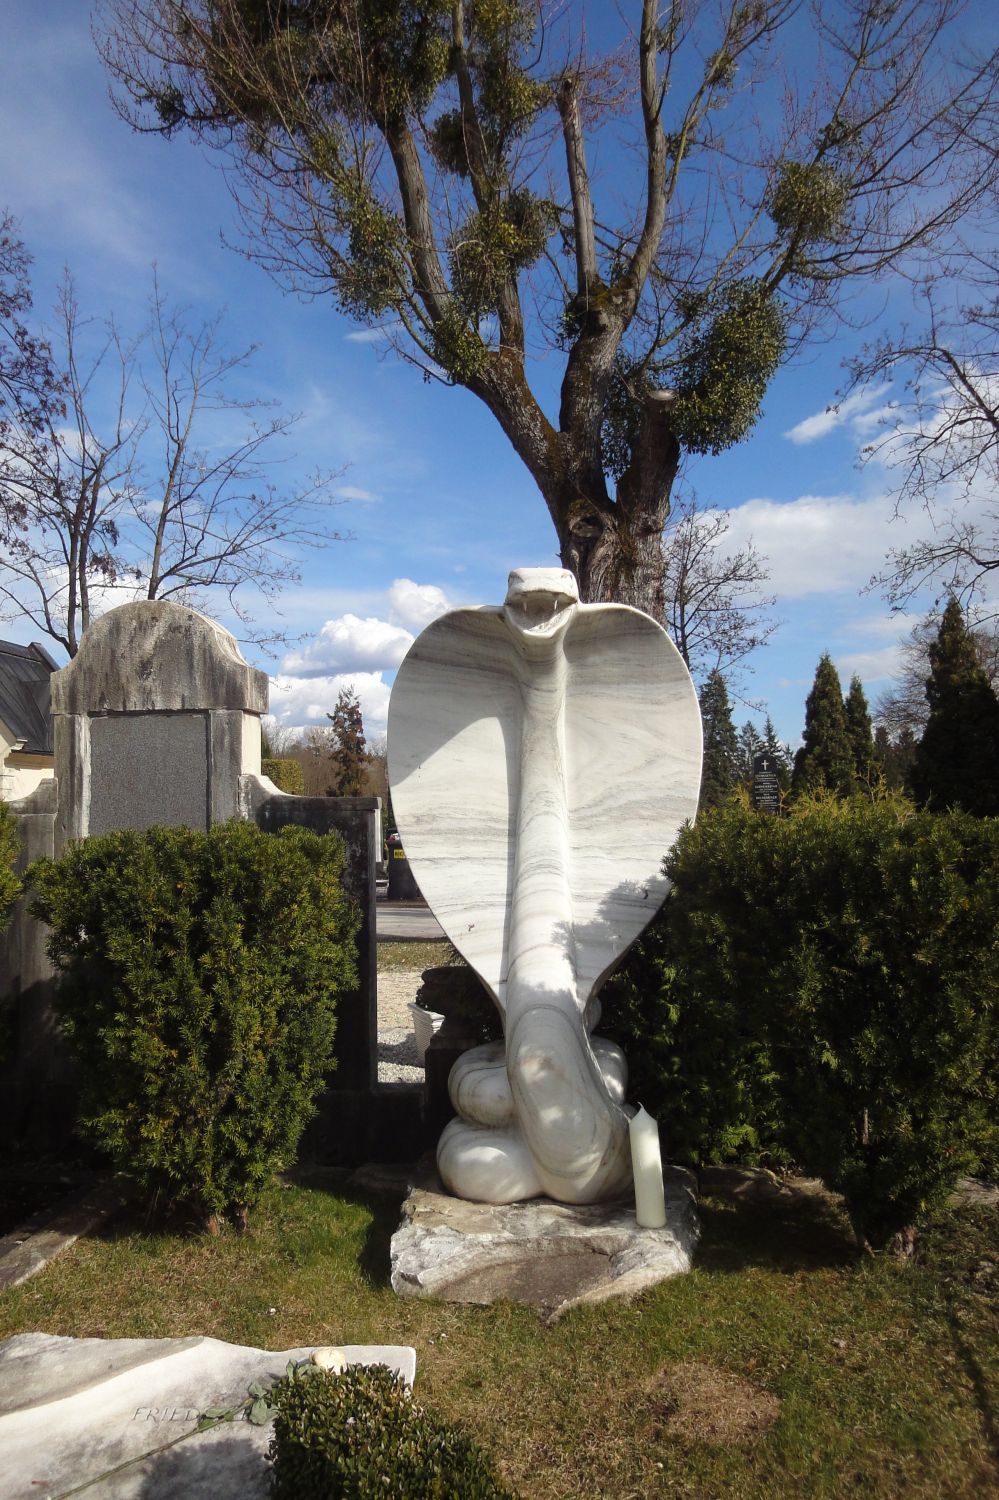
column 696, row 1402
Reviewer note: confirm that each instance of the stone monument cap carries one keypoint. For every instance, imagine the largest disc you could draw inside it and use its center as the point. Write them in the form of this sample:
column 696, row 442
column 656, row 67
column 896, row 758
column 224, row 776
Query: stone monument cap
column 155, row 655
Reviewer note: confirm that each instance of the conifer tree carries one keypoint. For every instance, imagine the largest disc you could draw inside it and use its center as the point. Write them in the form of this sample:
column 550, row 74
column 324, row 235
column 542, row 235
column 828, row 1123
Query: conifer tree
column 894, row 755
column 349, row 761
column 721, row 746
column 826, row 756
column 956, row 761
column 858, row 728
column 750, row 744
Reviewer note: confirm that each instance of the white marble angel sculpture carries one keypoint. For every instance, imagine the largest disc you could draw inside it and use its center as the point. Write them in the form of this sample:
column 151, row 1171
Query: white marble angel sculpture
column 542, row 757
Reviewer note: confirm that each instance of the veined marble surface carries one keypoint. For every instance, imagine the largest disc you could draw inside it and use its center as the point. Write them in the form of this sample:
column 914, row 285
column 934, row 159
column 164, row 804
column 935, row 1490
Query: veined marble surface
column 100, row 1416
column 542, row 756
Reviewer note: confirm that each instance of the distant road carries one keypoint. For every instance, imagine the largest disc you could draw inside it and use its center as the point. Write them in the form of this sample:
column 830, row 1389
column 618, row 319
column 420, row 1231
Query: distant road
column 399, row 921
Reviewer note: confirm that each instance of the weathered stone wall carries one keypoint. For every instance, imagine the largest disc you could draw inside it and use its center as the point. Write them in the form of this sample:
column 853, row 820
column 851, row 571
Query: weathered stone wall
column 359, row 1120
column 36, row 1099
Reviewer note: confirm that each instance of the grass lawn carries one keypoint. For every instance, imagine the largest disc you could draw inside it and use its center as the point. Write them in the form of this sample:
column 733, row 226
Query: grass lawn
column 396, row 956
column 781, row 1366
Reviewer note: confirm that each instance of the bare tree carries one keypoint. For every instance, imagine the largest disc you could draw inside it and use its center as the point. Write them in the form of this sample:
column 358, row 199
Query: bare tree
column 131, row 495
column 31, row 388
column 942, row 441
column 430, row 167
column 70, row 485
column 716, row 611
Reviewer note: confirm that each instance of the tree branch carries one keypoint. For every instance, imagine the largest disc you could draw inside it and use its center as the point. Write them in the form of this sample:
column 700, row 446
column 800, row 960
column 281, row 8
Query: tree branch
column 579, row 185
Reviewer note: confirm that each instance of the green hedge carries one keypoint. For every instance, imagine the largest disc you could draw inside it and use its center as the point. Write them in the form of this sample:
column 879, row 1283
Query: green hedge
column 359, row 1435
column 823, row 988
column 287, row 775
column 199, row 979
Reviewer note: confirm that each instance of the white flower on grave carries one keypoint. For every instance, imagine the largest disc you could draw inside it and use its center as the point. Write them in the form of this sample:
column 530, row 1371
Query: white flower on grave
column 329, row 1358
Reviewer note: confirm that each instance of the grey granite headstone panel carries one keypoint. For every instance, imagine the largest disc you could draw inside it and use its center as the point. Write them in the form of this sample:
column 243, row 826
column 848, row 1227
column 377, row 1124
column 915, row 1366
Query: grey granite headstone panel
column 147, row 769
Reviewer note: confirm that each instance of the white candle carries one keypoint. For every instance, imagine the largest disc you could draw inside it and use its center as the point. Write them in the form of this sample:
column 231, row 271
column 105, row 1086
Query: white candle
column 647, row 1166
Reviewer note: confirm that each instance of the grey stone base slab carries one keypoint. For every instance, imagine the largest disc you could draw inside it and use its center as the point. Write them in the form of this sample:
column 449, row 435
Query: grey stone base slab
column 551, row 1255
column 26, row 1251
column 102, row 1417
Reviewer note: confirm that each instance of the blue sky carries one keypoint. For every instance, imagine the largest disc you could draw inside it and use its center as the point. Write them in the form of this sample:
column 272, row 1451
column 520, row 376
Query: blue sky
column 440, row 507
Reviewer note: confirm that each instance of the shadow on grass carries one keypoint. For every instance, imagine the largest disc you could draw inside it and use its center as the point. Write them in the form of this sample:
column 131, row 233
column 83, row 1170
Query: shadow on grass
column 976, row 1377
column 385, row 1208
column 959, row 1245
column 375, row 1257
column 783, row 1235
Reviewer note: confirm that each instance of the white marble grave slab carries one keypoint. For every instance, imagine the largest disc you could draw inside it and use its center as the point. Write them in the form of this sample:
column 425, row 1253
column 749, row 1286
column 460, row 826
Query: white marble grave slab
column 72, row 1410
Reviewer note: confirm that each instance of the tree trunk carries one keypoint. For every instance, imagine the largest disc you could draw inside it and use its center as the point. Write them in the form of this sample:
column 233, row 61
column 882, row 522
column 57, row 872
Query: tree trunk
column 617, row 557
column 615, row 547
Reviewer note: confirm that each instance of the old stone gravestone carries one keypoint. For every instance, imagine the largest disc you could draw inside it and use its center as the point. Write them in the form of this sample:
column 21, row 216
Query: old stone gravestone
column 155, row 721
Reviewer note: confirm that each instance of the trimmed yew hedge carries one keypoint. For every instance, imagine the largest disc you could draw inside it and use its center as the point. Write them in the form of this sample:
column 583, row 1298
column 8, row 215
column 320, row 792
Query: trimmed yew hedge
column 286, row 774
column 824, row 989
column 199, row 977
column 359, row 1435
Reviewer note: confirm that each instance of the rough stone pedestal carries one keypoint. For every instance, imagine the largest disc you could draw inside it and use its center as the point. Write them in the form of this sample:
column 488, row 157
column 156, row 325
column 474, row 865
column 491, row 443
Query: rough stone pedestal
column 553, row 1256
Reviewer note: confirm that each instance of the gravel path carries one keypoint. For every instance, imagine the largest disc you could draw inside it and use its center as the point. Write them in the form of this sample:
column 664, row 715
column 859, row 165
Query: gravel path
column 396, row 1044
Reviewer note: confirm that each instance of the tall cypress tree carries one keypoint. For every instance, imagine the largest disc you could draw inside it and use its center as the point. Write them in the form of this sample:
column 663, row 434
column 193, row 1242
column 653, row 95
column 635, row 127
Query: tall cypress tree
column 750, row 744
column 826, row 756
column 957, row 760
column 894, row 757
column 349, row 762
column 721, row 746
column 858, row 728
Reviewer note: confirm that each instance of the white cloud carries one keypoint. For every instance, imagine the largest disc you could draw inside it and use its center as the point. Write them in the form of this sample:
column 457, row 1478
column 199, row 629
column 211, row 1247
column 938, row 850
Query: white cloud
column 890, row 625
column 876, row 665
column 350, row 644
column 416, row 604
column 853, row 411
column 353, row 492
column 374, row 335
column 817, row 544
column 298, row 702
column 874, row 419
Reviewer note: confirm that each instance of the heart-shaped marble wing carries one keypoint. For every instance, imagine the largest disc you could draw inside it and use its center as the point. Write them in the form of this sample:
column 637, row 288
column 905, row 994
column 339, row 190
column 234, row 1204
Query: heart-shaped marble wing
column 632, row 737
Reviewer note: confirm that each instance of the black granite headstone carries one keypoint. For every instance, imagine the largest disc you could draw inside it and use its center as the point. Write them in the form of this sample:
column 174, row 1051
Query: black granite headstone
column 766, row 785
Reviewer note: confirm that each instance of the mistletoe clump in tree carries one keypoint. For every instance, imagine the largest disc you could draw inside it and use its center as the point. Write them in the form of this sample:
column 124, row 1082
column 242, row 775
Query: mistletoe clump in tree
column 428, row 164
